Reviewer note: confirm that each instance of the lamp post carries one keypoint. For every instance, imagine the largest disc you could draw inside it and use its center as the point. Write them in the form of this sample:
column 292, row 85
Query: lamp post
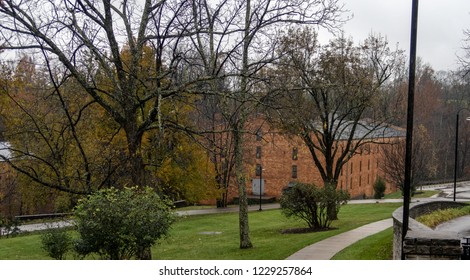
column 260, row 185
column 409, row 123
column 457, row 148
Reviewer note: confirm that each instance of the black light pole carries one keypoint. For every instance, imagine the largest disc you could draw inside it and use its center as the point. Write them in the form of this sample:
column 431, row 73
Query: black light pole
column 409, row 123
column 456, row 150
column 260, row 185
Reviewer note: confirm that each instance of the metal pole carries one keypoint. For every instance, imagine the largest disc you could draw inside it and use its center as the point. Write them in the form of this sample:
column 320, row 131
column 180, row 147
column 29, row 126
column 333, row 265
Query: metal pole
column 456, row 153
column 260, row 185
column 409, row 123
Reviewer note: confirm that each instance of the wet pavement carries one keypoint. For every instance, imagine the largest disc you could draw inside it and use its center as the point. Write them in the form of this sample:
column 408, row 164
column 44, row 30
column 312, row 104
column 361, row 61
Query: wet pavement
column 462, row 190
column 460, row 226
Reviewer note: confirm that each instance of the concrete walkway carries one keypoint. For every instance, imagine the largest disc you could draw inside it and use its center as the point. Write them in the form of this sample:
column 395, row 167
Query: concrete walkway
column 327, row 248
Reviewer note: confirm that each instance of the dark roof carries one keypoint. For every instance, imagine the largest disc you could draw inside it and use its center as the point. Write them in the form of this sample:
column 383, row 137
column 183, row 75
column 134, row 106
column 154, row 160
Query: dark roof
column 368, row 130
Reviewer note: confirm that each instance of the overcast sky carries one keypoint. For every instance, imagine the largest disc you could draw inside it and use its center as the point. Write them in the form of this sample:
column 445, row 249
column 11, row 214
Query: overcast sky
column 440, row 26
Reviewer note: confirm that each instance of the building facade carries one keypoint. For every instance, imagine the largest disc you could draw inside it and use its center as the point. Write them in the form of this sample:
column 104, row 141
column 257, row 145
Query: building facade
column 274, row 160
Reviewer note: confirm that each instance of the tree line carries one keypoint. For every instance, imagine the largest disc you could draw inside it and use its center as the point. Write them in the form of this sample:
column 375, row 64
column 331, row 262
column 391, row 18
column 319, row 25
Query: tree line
column 158, row 93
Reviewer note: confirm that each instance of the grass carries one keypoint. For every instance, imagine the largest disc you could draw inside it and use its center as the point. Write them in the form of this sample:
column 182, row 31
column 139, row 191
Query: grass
column 443, row 215
column 187, row 243
column 418, row 194
column 195, row 207
column 375, row 247
column 379, row 246
column 26, row 247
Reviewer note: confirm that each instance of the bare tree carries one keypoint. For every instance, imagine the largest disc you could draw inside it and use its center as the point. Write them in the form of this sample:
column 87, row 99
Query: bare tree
column 256, row 28
column 332, row 93
column 53, row 133
column 465, row 58
column 88, row 37
column 85, row 40
column 423, row 163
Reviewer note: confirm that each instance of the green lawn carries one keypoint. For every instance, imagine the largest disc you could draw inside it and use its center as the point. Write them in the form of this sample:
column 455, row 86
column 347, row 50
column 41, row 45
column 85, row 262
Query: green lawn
column 26, row 247
column 186, row 241
column 375, row 247
column 418, row 194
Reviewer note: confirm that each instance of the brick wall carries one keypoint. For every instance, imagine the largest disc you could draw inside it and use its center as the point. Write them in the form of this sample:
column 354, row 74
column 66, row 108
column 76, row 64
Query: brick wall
column 287, row 159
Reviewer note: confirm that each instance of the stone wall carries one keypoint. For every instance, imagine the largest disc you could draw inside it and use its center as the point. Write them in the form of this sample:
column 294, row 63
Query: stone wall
column 422, row 242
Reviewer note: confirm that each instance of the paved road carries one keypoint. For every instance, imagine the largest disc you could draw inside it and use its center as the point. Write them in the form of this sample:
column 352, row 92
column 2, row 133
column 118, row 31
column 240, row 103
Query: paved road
column 460, row 226
column 43, row 226
column 462, row 190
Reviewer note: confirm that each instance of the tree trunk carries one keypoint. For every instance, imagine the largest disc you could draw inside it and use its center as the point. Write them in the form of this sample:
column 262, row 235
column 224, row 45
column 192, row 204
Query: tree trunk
column 144, row 253
column 332, row 210
column 238, row 127
column 135, row 161
column 245, row 241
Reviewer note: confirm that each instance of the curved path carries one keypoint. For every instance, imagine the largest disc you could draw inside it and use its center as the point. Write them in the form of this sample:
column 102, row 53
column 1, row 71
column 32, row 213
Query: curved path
column 327, row 248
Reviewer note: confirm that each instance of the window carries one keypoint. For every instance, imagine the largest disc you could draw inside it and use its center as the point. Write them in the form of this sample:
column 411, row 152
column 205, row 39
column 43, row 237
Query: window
column 294, row 171
column 259, row 135
column 351, row 168
column 295, row 152
column 258, row 170
column 258, row 152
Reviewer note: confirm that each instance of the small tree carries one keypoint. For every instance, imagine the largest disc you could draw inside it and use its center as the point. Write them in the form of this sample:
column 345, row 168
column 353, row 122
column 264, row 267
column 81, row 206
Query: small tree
column 56, row 242
column 311, row 204
column 379, row 188
column 122, row 224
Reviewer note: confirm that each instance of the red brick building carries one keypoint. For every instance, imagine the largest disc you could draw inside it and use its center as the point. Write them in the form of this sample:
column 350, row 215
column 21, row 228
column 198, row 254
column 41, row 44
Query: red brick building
column 276, row 160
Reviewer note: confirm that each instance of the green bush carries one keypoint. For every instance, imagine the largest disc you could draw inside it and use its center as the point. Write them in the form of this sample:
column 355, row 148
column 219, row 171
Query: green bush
column 121, row 224
column 9, row 227
column 312, row 204
column 379, row 188
column 56, row 242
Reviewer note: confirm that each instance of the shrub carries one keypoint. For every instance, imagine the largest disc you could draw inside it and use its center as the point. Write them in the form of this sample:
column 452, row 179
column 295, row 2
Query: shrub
column 379, row 188
column 121, row 224
column 9, row 227
column 312, row 205
column 56, row 242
